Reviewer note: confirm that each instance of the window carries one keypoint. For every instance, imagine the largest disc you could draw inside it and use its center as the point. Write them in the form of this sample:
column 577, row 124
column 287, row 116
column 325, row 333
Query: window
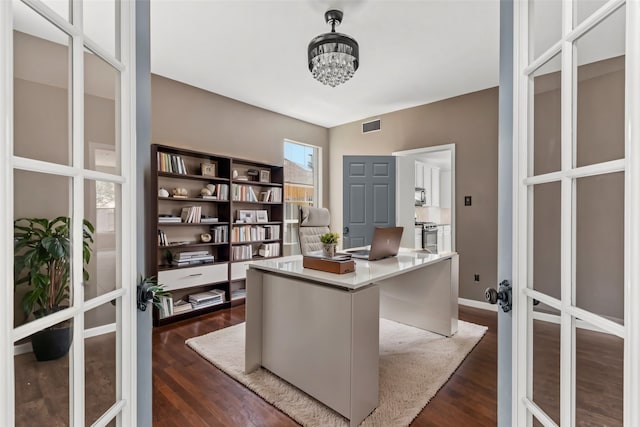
column 302, row 177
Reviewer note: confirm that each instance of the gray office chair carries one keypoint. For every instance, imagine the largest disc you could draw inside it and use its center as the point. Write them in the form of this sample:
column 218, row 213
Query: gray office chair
column 314, row 222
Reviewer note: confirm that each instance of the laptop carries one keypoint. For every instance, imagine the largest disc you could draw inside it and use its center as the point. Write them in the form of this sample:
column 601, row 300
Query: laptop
column 385, row 244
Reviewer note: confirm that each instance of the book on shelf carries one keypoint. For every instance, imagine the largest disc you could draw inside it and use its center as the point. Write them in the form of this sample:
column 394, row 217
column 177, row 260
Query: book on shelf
column 268, row 250
column 208, row 259
column 165, row 306
column 208, row 219
column 207, row 298
column 190, row 255
column 171, row 163
column 162, row 238
column 168, row 219
column 181, row 306
column 220, row 234
column 206, row 197
column 242, row 252
column 238, row 293
column 191, row 214
column 243, row 193
column 272, row 195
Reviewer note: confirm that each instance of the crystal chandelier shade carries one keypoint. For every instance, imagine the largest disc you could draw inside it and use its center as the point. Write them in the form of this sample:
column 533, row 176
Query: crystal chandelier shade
column 333, row 57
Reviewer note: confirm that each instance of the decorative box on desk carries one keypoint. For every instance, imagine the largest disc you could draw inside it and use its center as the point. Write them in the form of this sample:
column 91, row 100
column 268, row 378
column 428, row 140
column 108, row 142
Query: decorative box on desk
column 330, row 265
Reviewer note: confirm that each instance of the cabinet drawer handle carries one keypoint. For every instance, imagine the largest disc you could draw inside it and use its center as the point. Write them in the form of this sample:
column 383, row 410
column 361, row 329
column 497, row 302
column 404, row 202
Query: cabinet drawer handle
column 195, row 274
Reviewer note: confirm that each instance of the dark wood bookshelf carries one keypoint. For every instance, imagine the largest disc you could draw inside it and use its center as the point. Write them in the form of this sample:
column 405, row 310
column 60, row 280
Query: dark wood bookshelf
column 193, row 181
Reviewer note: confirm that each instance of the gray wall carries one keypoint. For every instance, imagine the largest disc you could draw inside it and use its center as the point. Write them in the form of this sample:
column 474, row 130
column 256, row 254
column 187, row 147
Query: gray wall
column 469, row 121
column 187, row 117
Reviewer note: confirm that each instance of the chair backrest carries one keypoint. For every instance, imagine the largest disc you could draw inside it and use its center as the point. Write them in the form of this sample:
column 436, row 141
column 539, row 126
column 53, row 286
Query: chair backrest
column 314, row 222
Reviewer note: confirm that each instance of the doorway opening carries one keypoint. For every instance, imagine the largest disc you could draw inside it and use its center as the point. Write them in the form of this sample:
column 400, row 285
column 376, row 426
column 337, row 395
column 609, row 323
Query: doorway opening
column 425, row 197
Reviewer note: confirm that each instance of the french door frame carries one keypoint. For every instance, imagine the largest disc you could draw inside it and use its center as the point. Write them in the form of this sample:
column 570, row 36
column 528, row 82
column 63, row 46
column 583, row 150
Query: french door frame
column 522, row 406
column 124, row 409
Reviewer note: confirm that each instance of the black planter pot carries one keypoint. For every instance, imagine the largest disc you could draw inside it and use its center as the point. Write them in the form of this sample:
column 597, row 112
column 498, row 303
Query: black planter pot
column 52, row 343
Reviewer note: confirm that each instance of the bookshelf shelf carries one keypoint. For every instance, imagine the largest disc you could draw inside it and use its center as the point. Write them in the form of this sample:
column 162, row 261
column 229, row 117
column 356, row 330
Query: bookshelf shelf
column 198, row 275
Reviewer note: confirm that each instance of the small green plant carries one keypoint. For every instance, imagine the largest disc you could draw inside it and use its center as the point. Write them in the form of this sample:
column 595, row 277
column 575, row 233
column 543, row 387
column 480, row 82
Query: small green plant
column 329, row 238
column 150, row 290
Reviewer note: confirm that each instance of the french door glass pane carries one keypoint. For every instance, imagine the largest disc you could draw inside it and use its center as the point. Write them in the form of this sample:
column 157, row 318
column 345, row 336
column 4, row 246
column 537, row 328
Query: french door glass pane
column 546, row 117
column 61, row 7
column 42, row 97
column 599, row 256
column 100, row 363
column 41, row 240
column 546, row 239
column 584, row 9
column 599, row 379
column 545, row 25
column 101, row 130
column 600, row 55
column 100, row 23
column 545, row 349
column 103, row 210
column 42, row 387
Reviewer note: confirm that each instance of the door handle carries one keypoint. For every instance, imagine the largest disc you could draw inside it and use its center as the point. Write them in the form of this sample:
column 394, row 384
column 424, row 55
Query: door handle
column 345, row 231
column 503, row 294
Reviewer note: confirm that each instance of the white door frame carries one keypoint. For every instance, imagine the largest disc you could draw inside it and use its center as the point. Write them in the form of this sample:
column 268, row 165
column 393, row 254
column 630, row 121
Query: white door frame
column 125, row 405
column 522, row 406
column 451, row 148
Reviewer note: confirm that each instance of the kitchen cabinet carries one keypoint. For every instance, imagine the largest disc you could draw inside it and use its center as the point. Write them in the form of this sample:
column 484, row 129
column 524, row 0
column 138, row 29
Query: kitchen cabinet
column 419, row 174
column 428, row 177
column 435, row 187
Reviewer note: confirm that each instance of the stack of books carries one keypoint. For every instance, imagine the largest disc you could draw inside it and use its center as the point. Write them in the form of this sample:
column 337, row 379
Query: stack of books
column 238, row 293
column 205, row 219
column 206, row 299
column 273, row 195
column 168, row 219
column 190, row 258
column 181, row 306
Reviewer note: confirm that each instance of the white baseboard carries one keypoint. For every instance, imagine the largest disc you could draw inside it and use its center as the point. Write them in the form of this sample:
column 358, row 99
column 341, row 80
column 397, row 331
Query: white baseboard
column 477, row 304
column 88, row 333
column 537, row 315
column 22, row 349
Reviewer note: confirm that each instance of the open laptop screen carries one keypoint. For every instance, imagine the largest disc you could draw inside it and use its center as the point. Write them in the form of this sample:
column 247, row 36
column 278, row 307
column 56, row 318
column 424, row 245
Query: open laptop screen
column 385, row 243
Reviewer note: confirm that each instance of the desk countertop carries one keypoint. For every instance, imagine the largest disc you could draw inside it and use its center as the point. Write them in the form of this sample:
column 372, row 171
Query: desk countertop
column 367, row 272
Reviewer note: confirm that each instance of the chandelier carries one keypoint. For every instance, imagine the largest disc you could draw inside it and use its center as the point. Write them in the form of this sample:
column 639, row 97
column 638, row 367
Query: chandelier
column 333, row 57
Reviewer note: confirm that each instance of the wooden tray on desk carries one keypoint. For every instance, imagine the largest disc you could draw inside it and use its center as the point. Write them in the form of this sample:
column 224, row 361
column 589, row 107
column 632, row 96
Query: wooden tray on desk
column 329, row 265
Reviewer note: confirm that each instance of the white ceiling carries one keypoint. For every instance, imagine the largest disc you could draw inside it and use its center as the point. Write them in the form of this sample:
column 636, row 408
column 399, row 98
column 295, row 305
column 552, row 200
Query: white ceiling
column 411, row 52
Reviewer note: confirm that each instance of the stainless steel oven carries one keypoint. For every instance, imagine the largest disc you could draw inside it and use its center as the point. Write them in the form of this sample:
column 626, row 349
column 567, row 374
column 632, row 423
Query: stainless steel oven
column 430, row 237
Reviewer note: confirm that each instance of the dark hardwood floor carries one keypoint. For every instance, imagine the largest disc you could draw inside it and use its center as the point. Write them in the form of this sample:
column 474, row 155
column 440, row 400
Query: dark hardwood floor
column 189, row 391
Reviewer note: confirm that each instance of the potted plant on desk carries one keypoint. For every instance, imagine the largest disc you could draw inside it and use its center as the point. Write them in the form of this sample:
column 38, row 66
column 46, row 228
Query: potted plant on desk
column 329, row 241
column 42, row 260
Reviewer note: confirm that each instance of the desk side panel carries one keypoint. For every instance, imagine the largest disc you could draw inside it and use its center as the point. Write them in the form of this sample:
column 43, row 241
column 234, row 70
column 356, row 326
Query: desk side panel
column 307, row 338
column 421, row 298
column 365, row 371
column 253, row 324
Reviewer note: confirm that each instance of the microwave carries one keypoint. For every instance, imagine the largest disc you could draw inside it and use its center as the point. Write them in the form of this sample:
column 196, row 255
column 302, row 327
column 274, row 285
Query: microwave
column 420, row 198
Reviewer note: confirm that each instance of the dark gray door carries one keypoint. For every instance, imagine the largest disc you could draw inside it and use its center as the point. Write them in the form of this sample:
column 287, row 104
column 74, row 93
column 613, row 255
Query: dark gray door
column 369, row 197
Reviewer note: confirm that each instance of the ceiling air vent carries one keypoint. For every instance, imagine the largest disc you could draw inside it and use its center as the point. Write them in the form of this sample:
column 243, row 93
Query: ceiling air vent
column 373, row 126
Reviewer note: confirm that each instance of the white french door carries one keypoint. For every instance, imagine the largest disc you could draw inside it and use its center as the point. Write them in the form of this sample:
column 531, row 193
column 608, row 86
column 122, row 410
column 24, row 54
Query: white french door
column 68, row 150
column 576, row 213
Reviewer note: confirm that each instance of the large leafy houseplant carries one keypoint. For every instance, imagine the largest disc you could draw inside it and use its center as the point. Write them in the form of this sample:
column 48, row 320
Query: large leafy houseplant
column 42, row 261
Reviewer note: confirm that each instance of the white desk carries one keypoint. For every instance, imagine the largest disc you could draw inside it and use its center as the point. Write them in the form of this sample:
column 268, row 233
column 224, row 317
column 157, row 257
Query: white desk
column 320, row 331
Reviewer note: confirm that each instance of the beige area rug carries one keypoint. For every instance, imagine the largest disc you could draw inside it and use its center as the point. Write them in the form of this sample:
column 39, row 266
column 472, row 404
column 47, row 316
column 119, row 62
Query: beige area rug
column 414, row 365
